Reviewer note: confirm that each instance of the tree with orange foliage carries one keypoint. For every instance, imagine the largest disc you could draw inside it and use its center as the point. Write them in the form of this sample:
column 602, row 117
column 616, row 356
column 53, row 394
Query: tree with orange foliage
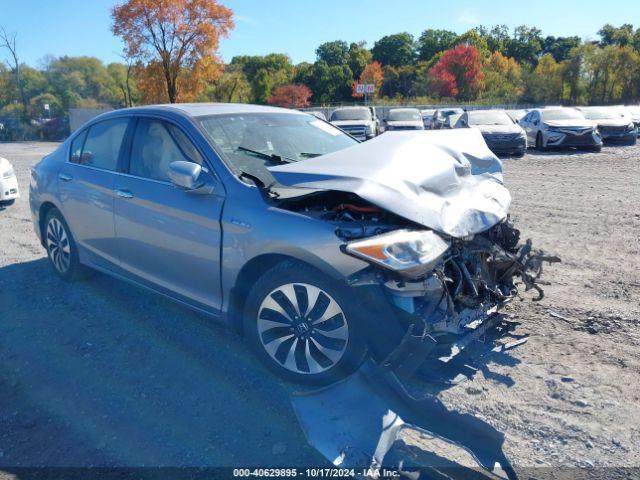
column 372, row 73
column 458, row 73
column 290, row 96
column 178, row 39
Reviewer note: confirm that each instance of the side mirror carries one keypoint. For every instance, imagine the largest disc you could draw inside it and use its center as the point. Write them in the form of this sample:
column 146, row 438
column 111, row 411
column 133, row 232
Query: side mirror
column 536, row 122
column 187, row 175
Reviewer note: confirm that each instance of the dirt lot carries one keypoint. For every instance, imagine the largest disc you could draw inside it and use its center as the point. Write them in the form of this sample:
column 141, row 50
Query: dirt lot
column 98, row 373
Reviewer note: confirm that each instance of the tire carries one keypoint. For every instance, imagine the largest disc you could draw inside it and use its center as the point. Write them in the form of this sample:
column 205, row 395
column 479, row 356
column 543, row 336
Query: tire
column 539, row 145
column 7, row 203
column 519, row 154
column 324, row 344
column 62, row 251
column 597, row 148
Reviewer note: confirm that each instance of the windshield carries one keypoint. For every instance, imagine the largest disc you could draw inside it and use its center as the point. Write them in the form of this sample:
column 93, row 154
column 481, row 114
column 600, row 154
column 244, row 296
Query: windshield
column 250, row 142
column 351, row 114
column 561, row 114
column 601, row 113
column 404, row 115
column 489, row 118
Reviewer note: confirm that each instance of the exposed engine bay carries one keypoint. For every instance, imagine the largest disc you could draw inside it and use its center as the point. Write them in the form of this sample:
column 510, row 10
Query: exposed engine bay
column 467, row 284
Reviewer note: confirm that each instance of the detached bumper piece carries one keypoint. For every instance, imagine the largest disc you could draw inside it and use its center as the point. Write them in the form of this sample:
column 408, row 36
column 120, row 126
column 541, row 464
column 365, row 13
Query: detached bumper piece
column 358, row 423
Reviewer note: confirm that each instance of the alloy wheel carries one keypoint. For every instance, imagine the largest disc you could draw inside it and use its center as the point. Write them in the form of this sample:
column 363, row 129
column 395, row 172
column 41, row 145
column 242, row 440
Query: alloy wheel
column 58, row 245
column 302, row 328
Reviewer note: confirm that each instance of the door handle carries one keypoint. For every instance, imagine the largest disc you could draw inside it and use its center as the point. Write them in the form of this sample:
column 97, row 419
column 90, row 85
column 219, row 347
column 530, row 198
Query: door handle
column 64, row 177
column 124, row 193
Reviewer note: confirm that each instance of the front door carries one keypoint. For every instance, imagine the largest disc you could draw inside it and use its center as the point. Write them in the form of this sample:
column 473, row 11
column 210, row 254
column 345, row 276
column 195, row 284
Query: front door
column 168, row 237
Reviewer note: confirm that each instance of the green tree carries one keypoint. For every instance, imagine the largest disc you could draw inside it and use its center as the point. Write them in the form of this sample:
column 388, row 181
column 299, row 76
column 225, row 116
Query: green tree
column 560, row 47
column 231, row 87
column 333, row 53
column 264, row 73
column 359, row 57
column 525, row 45
column 394, row 50
column 433, row 41
column 544, row 83
column 620, row 36
column 502, row 78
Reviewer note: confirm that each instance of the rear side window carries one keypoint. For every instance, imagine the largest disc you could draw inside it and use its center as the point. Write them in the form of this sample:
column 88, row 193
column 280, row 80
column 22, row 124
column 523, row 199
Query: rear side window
column 102, row 144
column 155, row 145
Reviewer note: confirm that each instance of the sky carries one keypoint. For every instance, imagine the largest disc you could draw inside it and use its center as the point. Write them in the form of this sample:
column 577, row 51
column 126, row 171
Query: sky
column 297, row 27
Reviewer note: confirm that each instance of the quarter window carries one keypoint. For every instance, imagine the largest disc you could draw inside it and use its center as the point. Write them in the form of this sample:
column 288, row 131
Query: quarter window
column 155, row 145
column 76, row 147
column 102, row 144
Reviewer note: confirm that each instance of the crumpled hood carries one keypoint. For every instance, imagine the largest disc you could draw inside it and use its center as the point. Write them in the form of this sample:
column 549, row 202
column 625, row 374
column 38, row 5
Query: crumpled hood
column 446, row 180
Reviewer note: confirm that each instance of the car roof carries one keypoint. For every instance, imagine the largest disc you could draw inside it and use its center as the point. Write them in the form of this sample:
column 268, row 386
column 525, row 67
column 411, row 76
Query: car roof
column 206, row 109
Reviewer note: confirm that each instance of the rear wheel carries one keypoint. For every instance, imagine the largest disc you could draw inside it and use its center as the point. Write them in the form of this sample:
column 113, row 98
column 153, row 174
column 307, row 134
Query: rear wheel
column 61, row 248
column 303, row 325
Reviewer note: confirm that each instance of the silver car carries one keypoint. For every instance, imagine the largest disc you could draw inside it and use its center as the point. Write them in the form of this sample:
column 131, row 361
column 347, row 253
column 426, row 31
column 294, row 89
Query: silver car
column 319, row 249
column 404, row 119
column 560, row 127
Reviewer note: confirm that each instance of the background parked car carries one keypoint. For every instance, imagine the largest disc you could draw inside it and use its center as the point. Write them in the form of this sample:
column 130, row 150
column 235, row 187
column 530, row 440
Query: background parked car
column 441, row 116
column 633, row 111
column 516, row 115
column 318, row 114
column 614, row 126
column 427, row 117
column 8, row 183
column 560, row 127
column 359, row 122
column 404, row 119
column 498, row 130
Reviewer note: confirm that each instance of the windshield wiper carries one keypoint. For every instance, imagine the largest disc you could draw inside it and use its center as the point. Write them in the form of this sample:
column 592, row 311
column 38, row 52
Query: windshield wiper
column 310, row 155
column 270, row 156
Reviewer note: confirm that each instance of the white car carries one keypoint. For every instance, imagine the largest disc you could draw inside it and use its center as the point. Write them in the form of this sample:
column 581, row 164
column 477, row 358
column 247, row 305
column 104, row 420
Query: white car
column 560, row 127
column 8, row 183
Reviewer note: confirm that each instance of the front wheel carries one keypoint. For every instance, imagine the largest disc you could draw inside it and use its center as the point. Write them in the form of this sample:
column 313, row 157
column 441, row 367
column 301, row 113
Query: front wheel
column 303, row 325
column 539, row 144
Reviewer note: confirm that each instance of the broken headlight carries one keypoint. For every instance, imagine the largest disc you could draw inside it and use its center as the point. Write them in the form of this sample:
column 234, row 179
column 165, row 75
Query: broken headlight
column 410, row 253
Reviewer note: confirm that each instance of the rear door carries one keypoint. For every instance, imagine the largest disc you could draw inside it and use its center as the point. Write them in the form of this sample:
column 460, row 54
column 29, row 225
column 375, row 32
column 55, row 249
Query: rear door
column 167, row 237
column 85, row 184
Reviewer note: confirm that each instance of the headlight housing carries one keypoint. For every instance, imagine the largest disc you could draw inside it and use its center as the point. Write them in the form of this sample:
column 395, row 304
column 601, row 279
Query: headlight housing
column 9, row 173
column 410, row 253
column 630, row 127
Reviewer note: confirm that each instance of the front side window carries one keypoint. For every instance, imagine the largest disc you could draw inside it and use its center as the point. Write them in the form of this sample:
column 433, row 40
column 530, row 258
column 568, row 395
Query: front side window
column 102, row 144
column 155, row 145
column 250, row 142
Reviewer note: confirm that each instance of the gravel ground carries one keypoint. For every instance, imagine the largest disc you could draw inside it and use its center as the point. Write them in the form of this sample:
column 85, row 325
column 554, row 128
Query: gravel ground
column 99, row 373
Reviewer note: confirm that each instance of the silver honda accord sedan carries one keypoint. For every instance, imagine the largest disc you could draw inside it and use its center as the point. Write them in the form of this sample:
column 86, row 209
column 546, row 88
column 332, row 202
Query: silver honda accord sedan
column 320, row 250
